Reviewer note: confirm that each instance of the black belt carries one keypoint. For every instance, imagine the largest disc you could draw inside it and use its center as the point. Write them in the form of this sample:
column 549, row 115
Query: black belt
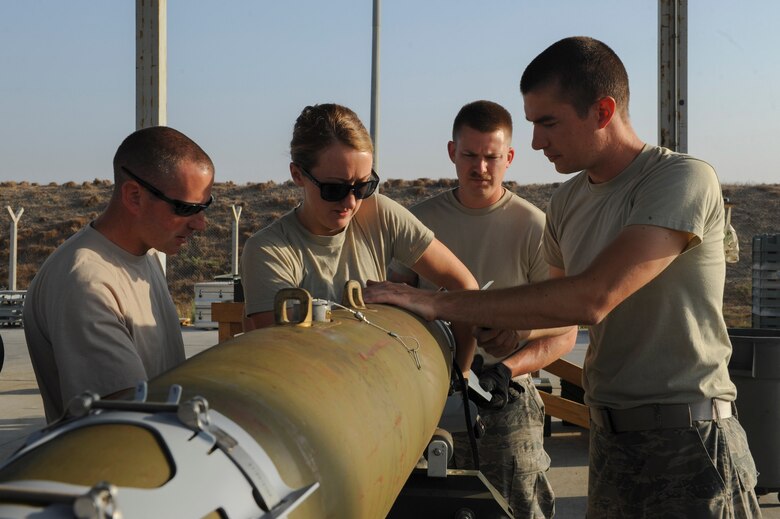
column 660, row 416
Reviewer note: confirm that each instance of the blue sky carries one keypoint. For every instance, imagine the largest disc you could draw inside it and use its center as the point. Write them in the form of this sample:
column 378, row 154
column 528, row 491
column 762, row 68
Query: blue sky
column 239, row 72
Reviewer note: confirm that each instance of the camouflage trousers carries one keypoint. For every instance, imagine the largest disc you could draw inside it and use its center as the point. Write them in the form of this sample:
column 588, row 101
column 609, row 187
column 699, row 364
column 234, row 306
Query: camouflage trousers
column 705, row 471
column 511, row 453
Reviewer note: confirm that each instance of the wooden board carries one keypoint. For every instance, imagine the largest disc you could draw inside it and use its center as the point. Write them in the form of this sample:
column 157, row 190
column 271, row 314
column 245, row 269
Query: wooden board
column 230, row 318
column 566, row 409
column 563, row 408
column 567, row 371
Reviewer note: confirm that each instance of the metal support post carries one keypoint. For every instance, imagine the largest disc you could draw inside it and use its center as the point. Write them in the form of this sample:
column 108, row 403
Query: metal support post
column 236, row 215
column 151, row 69
column 12, row 246
column 375, row 83
column 673, row 74
column 151, row 63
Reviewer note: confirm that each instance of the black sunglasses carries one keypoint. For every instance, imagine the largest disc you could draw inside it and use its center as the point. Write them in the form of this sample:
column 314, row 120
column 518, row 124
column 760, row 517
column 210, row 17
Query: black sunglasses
column 335, row 192
column 179, row 208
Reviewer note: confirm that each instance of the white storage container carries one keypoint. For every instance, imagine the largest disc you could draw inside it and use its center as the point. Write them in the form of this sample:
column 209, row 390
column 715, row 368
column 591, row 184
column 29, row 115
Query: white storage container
column 207, row 293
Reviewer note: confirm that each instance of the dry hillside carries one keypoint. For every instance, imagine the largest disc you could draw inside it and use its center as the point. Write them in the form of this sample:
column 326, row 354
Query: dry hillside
column 53, row 212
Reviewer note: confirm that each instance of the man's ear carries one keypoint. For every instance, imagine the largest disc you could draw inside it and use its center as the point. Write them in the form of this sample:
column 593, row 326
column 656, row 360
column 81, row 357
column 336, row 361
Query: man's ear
column 451, row 150
column 606, row 107
column 131, row 197
column 296, row 174
column 510, row 155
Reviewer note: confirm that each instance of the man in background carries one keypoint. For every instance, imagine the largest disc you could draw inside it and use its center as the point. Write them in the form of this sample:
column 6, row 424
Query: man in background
column 498, row 235
column 98, row 316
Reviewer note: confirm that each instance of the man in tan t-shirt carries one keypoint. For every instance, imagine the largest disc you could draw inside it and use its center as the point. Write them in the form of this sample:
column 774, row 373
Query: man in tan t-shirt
column 498, row 236
column 98, row 315
column 637, row 237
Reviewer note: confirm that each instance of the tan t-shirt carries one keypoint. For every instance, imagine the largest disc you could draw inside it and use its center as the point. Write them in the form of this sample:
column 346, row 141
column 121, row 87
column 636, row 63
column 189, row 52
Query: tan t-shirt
column 501, row 242
column 98, row 318
column 666, row 343
column 285, row 254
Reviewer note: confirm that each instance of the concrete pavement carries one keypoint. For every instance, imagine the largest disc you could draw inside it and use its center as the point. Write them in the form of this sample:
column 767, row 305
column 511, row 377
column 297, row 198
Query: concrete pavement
column 21, row 413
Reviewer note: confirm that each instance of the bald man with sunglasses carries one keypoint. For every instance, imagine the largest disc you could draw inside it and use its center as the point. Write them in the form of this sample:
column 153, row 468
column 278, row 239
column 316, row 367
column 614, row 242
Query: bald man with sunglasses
column 98, row 316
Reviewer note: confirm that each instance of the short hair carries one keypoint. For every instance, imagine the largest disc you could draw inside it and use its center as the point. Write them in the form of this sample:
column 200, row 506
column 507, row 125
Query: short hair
column 318, row 126
column 154, row 153
column 483, row 116
column 584, row 69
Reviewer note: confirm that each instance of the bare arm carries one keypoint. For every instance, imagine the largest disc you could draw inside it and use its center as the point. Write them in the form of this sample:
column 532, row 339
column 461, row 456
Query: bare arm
column 540, row 353
column 500, row 343
column 633, row 259
column 442, row 267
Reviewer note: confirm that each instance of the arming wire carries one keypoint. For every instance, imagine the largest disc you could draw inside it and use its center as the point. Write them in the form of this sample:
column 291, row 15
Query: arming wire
column 412, row 351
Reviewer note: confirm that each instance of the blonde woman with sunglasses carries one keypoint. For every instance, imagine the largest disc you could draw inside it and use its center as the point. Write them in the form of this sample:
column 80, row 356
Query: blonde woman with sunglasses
column 342, row 229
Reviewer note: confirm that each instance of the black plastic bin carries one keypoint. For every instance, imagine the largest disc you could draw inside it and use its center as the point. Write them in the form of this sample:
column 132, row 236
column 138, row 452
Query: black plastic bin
column 755, row 370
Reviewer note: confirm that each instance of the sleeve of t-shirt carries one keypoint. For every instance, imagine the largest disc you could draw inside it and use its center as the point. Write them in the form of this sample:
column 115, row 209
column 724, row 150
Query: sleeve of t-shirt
column 551, row 250
column 92, row 346
column 680, row 196
column 266, row 268
column 538, row 269
column 397, row 266
column 407, row 237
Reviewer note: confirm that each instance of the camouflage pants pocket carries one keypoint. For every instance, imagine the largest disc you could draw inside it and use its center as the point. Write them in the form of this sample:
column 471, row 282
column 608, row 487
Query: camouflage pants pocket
column 512, row 455
column 662, row 473
column 535, row 401
column 741, row 475
column 532, row 497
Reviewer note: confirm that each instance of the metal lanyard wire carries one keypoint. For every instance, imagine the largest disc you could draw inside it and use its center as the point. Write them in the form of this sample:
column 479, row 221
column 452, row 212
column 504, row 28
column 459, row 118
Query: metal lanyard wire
column 413, row 352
